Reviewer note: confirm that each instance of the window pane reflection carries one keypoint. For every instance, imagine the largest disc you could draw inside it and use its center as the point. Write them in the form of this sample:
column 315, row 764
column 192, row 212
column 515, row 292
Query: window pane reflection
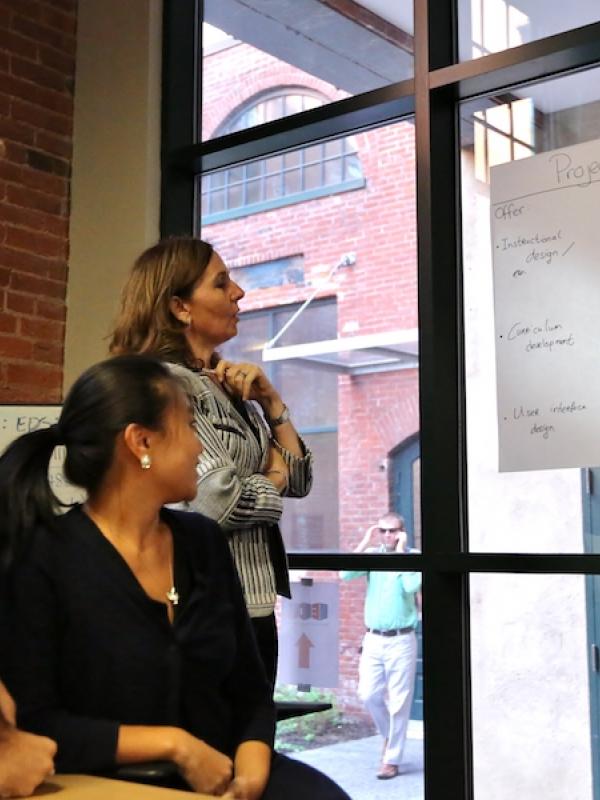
column 336, row 50
column 534, row 689
column 490, row 26
column 550, row 510
column 323, row 650
column 346, row 363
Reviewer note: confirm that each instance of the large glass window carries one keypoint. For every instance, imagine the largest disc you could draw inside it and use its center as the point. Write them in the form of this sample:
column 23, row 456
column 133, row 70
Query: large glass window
column 302, row 174
column 341, row 345
column 272, row 104
column 342, row 350
column 489, row 26
column 338, row 48
column 310, row 523
column 537, row 510
column 342, row 740
column 533, row 637
column 510, row 657
column 531, row 691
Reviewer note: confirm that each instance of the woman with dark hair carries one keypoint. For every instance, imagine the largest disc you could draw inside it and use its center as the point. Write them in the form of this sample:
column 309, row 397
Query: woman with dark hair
column 180, row 304
column 129, row 638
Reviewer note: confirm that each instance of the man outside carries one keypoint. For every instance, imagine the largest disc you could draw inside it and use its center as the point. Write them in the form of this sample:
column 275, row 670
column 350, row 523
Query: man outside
column 25, row 760
column 389, row 653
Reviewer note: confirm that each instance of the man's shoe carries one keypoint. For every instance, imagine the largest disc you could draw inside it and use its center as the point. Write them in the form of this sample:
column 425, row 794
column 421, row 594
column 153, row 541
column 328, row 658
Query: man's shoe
column 388, row 771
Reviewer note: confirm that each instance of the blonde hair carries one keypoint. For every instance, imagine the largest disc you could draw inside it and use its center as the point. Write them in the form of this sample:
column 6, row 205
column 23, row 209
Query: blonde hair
column 391, row 518
column 145, row 322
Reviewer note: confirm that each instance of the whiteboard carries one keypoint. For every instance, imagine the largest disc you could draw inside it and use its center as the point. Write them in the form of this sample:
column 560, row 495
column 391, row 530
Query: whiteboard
column 545, row 219
column 16, row 420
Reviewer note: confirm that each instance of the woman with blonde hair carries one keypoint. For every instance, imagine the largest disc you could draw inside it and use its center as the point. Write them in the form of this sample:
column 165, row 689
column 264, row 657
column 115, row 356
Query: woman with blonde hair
column 180, row 304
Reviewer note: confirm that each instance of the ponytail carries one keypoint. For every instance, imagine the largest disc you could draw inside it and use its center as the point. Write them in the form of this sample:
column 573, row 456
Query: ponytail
column 26, row 497
column 101, row 403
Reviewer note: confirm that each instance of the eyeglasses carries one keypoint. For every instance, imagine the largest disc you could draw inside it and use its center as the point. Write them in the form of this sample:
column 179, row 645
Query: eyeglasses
column 390, row 530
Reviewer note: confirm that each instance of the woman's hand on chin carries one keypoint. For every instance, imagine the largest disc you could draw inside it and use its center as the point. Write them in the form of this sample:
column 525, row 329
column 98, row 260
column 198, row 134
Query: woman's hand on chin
column 248, row 381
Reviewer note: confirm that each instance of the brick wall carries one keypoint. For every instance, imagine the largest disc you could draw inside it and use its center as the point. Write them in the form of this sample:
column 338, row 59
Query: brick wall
column 376, row 412
column 223, row 91
column 37, row 71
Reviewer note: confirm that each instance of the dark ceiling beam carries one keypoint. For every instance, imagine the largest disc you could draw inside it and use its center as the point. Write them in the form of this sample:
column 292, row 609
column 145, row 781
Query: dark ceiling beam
column 373, row 22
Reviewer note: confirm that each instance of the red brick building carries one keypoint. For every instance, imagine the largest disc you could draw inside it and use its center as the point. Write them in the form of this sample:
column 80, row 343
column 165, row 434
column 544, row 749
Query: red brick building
column 372, row 413
column 37, row 75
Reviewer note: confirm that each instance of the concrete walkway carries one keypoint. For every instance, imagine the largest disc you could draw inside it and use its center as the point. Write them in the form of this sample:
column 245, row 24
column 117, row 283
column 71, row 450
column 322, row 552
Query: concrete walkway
column 353, row 765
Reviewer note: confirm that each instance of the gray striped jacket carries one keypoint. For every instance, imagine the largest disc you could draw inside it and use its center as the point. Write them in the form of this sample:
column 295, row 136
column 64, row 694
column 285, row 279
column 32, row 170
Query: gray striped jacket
column 233, row 491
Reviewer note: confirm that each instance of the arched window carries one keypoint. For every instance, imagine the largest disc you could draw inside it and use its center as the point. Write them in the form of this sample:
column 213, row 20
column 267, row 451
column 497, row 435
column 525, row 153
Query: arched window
column 274, row 104
column 292, row 177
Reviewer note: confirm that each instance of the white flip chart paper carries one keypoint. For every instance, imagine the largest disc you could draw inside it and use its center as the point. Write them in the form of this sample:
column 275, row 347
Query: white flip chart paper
column 15, row 420
column 545, row 216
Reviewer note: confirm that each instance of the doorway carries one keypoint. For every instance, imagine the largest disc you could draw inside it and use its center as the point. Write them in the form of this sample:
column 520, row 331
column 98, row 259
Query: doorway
column 405, row 499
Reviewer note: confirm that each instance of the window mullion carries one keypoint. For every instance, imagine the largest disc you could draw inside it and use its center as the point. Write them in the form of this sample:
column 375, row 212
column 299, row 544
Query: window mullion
column 446, row 672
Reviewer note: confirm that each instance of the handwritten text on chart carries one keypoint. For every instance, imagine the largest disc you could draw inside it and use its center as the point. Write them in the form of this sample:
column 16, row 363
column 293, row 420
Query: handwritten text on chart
column 573, row 174
column 539, row 336
column 545, row 246
column 560, row 408
column 508, row 211
column 534, row 248
column 535, row 413
column 26, row 423
column 516, row 242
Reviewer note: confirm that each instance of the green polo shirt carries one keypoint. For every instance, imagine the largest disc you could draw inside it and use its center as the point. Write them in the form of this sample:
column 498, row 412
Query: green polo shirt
column 390, row 601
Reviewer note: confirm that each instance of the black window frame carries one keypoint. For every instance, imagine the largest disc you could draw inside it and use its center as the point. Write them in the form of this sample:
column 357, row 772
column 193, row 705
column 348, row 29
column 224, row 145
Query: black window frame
column 282, row 198
column 285, row 198
column 432, row 98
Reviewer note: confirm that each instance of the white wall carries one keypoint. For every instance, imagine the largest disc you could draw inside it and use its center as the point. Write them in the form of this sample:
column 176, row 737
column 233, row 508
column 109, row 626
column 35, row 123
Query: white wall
column 116, row 165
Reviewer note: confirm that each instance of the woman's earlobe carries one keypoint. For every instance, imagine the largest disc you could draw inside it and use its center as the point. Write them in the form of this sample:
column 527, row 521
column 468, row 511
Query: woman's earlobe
column 136, row 439
column 179, row 311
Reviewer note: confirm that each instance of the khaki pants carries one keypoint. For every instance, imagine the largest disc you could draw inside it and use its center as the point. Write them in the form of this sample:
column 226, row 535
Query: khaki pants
column 386, row 685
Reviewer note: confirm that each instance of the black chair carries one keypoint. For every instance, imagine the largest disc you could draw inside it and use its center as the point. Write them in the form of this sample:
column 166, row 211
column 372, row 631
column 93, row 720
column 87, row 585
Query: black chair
column 286, row 709
column 166, row 774
column 155, row 773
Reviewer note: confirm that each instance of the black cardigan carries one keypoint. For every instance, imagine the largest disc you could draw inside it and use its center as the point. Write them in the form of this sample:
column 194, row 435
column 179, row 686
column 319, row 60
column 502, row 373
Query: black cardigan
column 90, row 650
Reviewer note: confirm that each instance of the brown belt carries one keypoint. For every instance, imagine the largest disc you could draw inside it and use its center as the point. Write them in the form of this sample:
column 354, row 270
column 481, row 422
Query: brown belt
column 391, row 631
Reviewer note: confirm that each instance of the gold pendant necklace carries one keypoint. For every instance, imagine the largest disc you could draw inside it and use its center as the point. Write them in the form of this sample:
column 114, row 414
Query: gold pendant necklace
column 172, row 595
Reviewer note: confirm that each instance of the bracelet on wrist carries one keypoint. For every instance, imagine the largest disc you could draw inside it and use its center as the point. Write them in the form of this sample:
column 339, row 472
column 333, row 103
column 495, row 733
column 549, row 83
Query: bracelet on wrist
column 283, row 417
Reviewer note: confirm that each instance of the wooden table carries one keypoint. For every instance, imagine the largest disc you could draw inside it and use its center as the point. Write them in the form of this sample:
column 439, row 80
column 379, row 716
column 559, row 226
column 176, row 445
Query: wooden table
column 85, row 787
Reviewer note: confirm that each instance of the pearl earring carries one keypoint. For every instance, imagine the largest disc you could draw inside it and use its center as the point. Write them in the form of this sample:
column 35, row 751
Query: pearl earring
column 145, row 461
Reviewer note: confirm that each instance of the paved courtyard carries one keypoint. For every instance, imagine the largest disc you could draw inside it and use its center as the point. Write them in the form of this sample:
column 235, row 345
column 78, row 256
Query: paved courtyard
column 353, row 765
